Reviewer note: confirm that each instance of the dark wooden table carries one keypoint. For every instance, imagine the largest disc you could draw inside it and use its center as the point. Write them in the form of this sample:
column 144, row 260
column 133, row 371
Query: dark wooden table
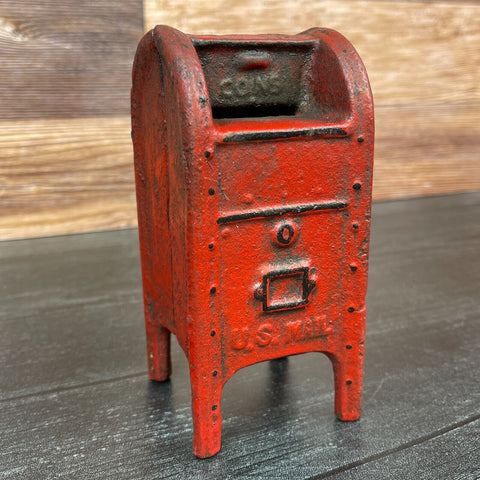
column 76, row 402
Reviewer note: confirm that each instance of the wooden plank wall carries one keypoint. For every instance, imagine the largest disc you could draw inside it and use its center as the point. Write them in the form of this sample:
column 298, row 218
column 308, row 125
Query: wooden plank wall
column 65, row 151
column 65, row 148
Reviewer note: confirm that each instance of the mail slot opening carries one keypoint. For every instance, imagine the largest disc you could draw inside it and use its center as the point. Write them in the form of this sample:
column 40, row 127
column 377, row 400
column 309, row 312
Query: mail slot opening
column 254, row 79
column 253, row 111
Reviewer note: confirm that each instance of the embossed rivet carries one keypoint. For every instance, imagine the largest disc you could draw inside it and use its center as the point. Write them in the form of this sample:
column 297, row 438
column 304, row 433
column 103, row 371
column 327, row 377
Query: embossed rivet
column 360, row 139
column 226, row 232
column 349, row 382
column 211, row 191
column 258, row 293
column 207, row 154
column 357, row 186
column 248, row 198
column 351, row 309
column 355, row 226
column 213, row 290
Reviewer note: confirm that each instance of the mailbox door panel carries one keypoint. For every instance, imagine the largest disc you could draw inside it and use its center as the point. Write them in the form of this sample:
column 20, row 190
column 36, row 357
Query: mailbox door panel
column 279, row 299
column 286, row 242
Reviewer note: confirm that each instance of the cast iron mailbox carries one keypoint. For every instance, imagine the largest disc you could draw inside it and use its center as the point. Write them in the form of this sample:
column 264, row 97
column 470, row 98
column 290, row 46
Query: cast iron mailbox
column 253, row 164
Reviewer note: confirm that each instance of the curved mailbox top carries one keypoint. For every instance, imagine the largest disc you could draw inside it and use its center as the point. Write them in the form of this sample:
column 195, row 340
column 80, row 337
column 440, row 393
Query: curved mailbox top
column 265, row 87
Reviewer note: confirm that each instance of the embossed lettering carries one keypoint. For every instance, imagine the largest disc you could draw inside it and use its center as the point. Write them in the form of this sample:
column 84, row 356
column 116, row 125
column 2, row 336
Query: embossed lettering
column 250, row 344
column 249, row 338
column 275, row 85
column 243, row 87
column 260, row 85
column 308, row 330
column 322, row 326
column 226, row 86
column 239, row 338
column 264, row 335
column 294, row 331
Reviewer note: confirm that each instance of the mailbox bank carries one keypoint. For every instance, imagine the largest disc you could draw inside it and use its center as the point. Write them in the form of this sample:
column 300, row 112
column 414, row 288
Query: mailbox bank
column 253, row 164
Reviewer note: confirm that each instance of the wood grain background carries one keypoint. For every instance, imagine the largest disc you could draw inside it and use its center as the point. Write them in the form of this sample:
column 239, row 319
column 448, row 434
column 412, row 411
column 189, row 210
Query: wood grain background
column 65, row 150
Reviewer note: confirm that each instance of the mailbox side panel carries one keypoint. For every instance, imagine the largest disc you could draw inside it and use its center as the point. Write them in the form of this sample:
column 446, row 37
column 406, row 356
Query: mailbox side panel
column 152, row 189
column 192, row 200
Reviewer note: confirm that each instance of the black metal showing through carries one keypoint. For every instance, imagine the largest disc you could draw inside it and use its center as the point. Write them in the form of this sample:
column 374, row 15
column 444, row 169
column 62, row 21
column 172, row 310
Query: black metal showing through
column 274, row 212
column 253, row 42
column 253, row 111
column 272, row 135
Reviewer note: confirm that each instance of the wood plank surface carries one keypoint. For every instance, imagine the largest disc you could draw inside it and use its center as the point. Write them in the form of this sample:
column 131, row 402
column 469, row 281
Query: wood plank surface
column 67, row 59
column 414, row 52
column 426, row 150
column 65, row 176
column 77, row 402
column 50, row 303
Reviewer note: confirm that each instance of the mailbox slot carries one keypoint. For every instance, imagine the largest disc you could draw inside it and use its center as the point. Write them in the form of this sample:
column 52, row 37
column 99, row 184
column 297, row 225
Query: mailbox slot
column 255, row 79
column 252, row 111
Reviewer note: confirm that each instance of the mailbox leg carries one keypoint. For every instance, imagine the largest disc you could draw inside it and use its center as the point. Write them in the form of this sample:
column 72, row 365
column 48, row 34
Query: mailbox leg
column 158, row 351
column 207, row 418
column 348, row 377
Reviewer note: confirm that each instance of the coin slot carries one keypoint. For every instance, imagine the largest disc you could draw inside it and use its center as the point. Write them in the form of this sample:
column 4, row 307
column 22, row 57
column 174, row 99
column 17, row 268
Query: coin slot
column 253, row 111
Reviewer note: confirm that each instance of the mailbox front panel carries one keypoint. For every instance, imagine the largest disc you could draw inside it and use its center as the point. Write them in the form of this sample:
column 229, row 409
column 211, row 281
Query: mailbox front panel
column 284, row 238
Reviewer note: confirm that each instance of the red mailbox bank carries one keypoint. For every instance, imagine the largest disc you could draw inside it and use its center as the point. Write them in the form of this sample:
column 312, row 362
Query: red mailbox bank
column 253, row 164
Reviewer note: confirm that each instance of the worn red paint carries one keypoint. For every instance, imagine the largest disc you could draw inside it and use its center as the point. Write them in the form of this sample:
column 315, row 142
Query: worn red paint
column 253, row 163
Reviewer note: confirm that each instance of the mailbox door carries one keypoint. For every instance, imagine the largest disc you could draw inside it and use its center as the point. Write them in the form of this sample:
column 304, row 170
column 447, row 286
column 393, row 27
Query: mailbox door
column 285, row 247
